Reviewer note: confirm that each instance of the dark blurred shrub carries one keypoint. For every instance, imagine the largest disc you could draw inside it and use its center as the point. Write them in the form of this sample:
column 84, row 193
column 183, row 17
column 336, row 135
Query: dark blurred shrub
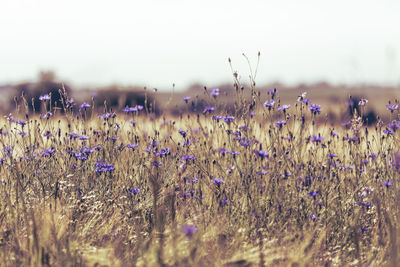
column 47, row 84
column 369, row 118
column 116, row 99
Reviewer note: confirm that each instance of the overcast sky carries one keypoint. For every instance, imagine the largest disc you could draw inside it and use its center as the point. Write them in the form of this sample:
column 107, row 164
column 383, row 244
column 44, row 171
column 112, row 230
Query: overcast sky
column 156, row 43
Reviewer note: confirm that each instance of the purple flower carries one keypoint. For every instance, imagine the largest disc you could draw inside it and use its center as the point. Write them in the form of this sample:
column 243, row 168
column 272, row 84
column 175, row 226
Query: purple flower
column 269, row 104
column 223, row 151
column 373, row 156
column 163, row 152
column 313, row 217
column 223, row 202
column 153, row 143
column 246, row 142
column 44, row 97
column 82, row 137
column 186, row 99
column 48, row 152
column 47, row 134
column 69, row 102
column 84, row 105
column 132, row 146
column 22, row 133
column 107, row 115
column 133, row 123
column 316, row 139
column 10, row 118
column 8, row 150
column 183, row 133
column 315, row 109
column 189, row 230
column 20, row 122
column 104, row 167
column 228, row 119
column 217, row 118
column 284, row 107
column 188, row 157
column 313, row 194
column 306, row 101
column 47, row 115
column 388, row 131
column 332, row 155
column 214, row 92
column 394, row 125
column 261, row 153
column 130, row 109
column 86, row 150
column 280, row 123
column 97, row 148
column 364, row 204
column 387, row 183
column 392, row 107
column 135, row 191
column 218, row 181
column 208, row 109
column 273, row 92
column 156, row 163
column 73, row 135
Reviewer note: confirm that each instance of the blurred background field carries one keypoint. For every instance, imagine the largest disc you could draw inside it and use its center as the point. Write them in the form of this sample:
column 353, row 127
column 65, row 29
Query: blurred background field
column 337, row 100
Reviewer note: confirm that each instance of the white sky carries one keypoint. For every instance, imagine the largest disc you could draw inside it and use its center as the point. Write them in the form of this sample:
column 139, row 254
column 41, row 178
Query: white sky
column 160, row 42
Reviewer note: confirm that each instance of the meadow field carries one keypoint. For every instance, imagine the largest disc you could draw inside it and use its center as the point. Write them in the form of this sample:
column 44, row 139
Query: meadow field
column 267, row 182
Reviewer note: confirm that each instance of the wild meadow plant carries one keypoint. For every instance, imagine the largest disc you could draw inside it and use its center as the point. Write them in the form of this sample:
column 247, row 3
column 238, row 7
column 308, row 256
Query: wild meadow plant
column 269, row 184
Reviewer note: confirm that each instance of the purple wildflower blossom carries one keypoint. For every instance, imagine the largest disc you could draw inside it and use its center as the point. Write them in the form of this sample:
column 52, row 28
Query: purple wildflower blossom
column 183, row 133
column 132, row 146
column 315, row 109
column 47, row 134
column 186, row 99
column 269, row 104
column 188, row 157
column 47, row 115
column 189, row 230
column 83, row 137
column 316, row 139
column 284, row 107
column 387, row 183
column 84, row 105
column 214, row 92
column 217, row 118
column 44, row 97
column 228, row 119
column 261, row 153
column 104, row 167
column 218, row 181
column 135, row 191
column 156, row 163
column 208, row 109
column 280, row 123
column 21, row 122
column 392, row 107
column 313, row 194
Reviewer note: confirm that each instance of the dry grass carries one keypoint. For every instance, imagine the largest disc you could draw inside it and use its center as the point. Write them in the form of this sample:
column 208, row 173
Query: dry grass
column 198, row 190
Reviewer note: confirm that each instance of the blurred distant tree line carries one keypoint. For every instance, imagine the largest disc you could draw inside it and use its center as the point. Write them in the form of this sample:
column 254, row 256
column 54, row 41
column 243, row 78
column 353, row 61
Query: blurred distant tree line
column 111, row 97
